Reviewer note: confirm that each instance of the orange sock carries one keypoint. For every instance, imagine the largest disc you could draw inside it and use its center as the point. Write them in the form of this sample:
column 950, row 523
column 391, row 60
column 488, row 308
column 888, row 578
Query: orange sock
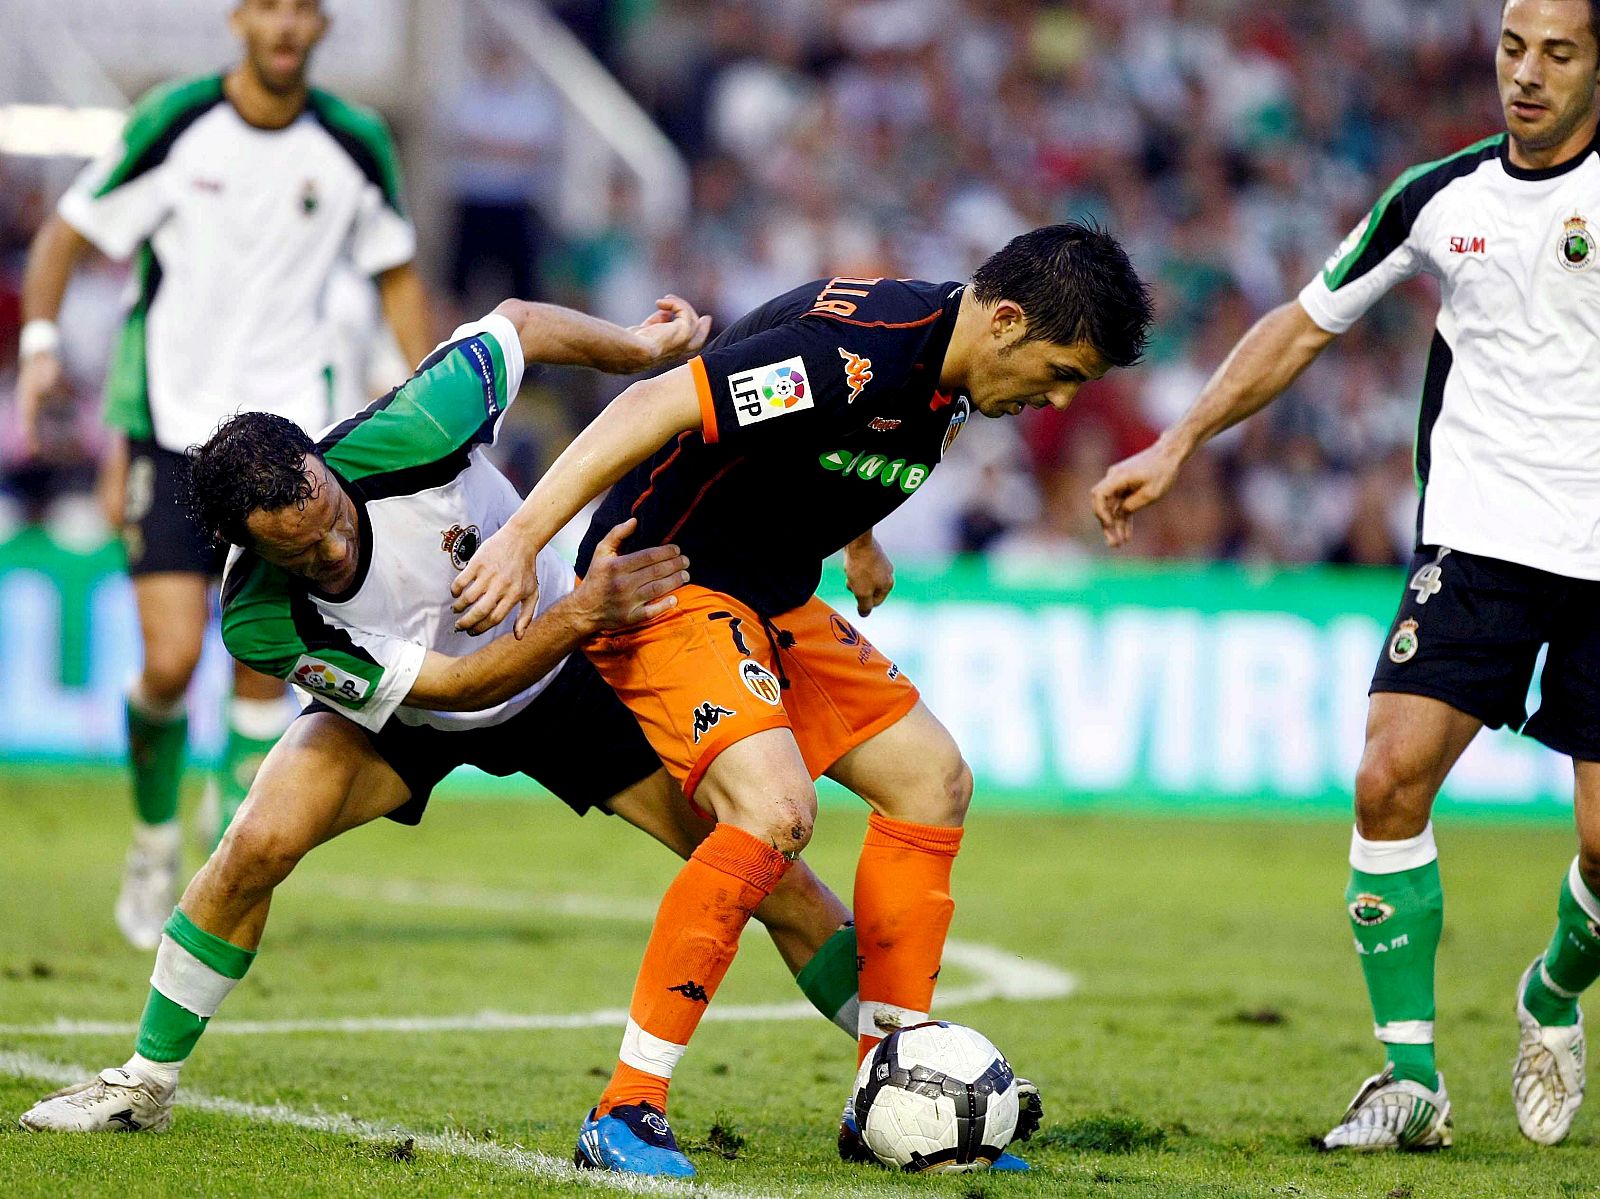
column 691, row 947
column 903, row 909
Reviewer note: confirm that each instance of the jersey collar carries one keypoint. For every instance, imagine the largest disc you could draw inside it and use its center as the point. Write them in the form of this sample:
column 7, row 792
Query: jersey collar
column 1531, row 174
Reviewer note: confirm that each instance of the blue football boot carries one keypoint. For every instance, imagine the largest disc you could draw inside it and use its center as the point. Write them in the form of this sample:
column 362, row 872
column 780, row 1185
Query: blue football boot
column 632, row 1138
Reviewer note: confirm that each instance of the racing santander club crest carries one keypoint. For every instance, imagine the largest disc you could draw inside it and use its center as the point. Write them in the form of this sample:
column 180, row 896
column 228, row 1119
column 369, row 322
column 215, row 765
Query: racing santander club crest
column 1577, row 244
column 1403, row 645
column 460, row 543
column 1367, row 910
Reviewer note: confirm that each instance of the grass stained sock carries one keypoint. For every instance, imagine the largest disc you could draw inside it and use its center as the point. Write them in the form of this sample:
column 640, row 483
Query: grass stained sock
column 1572, row 962
column 829, row 980
column 156, row 743
column 1396, row 908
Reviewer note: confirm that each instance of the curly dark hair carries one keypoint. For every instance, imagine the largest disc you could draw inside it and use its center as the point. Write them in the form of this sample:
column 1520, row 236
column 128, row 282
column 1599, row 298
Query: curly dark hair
column 254, row 462
column 1075, row 283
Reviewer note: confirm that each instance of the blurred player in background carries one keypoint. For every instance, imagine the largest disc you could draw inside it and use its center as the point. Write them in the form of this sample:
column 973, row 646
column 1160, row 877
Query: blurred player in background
column 342, row 584
column 802, row 426
column 1507, row 555
column 239, row 197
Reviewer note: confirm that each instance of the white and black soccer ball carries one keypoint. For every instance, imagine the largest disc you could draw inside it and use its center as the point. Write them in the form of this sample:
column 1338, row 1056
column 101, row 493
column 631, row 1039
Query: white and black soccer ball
column 936, row 1097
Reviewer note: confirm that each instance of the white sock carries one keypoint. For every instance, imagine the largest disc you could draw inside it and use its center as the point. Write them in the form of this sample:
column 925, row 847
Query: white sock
column 259, row 719
column 161, row 1077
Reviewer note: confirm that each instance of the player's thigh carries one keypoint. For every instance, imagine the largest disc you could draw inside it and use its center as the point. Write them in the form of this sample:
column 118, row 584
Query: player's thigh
column 1568, row 719
column 656, row 805
column 760, row 784
column 912, row 770
column 697, row 679
column 323, row 778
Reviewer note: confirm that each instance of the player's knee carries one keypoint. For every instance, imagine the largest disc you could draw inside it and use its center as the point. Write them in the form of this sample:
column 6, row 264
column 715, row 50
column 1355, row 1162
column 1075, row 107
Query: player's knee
column 1390, row 796
column 168, row 667
column 957, row 793
column 256, row 855
column 1589, row 867
column 790, row 823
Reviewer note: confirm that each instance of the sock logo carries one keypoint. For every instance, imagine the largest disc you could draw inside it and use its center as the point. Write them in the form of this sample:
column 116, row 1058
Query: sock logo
column 1368, row 910
column 707, row 716
column 692, row 991
column 656, row 1124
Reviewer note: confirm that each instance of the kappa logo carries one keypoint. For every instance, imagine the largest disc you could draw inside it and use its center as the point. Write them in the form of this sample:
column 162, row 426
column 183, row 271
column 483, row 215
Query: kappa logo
column 761, row 682
column 460, row 543
column 857, row 373
column 1368, row 910
column 324, row 678
column 1576, row 248
column 692, row 991
column 707, row 716
column 768, row 391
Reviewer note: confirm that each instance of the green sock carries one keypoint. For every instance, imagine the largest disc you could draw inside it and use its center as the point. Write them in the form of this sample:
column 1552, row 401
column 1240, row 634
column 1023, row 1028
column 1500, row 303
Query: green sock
column 1573, row 960
column 240, row 761
column 1397, row 918
column 194, row 972
column 829, row 979
column 155, row 753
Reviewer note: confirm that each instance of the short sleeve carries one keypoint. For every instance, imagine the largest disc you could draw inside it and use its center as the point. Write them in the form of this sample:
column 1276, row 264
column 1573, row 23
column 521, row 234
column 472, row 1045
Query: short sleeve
column 116, row 216
column 1378, row 254
column 271, row 625
column 768, row 386
column 453, row 402
column 382, row 238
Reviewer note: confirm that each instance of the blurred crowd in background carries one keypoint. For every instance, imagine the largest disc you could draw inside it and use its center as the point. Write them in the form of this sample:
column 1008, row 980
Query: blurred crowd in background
column 1229, row 144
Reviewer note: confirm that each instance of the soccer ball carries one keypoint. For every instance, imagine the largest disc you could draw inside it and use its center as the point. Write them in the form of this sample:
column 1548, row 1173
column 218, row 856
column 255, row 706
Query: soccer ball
column 936, row 1097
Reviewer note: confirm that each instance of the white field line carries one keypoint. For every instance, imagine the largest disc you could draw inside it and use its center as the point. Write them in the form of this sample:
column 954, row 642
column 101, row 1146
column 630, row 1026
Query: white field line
column 1000, row 975
column 540, row 1165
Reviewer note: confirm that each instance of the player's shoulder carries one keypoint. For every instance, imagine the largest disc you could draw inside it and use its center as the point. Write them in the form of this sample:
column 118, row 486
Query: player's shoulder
column 363, row 134
column 881, row 303
column 167, row 105
column 1423, row 181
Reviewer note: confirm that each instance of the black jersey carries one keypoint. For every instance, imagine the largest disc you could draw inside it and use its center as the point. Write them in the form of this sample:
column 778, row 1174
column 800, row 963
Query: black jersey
column 820, row 415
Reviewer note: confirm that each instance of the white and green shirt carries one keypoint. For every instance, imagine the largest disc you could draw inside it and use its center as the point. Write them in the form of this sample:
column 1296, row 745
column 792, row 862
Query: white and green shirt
column 235, row 232
column 414, row 464
column 1508, row 437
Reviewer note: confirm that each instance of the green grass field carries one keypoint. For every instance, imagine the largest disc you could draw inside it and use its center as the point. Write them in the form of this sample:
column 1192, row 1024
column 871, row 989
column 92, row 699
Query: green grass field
column 1217, row 1021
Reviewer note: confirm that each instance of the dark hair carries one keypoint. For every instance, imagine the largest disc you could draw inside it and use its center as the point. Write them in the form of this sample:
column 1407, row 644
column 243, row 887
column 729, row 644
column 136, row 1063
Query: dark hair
column 254, row 462
column 1075, row 283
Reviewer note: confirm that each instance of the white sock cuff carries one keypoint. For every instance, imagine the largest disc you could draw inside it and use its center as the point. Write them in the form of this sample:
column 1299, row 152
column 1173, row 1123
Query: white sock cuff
column 877, row 1019
column 187, row 981
column 1552, row 986
column 1587, row 900
column 259, row 719
column 161, row 840
column 1405, row 1032
column 150, row 710
column 161, row 1075
column 649, row 1053
column 1392, row 857
column 848, row 1017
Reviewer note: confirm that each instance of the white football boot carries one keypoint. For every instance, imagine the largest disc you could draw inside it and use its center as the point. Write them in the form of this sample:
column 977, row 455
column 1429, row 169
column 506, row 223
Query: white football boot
column 112, row 1101
column 1547, row 1077
column 149, row 884
column 1394, row 1113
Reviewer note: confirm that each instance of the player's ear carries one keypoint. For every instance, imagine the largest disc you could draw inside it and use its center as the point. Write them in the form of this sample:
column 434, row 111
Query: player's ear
column 1008, row 323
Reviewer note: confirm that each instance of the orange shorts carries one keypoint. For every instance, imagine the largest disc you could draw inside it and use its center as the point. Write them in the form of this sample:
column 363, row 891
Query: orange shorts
column 710, row 672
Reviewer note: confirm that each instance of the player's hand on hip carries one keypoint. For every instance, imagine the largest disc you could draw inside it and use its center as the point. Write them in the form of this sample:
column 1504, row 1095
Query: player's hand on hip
column 38, row 378
column 868, row 573
column 1131, row 484
column 627, row 589
column 674, row 330
column 502, row 574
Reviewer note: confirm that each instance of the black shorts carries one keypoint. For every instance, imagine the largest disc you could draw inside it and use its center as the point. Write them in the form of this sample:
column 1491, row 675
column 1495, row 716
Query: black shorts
column 1469, row 631
column 576, row 739
column 158, row 535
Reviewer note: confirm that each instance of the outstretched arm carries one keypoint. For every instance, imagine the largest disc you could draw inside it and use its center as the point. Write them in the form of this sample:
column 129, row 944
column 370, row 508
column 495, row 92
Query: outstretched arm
column 1267, row 359
column 619, row 590
column 560, row 336
column 56, row 251
column 503, row 573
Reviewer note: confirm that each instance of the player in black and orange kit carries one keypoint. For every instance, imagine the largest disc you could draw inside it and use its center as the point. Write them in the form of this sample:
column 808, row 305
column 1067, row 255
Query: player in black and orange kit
column 796, row 430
